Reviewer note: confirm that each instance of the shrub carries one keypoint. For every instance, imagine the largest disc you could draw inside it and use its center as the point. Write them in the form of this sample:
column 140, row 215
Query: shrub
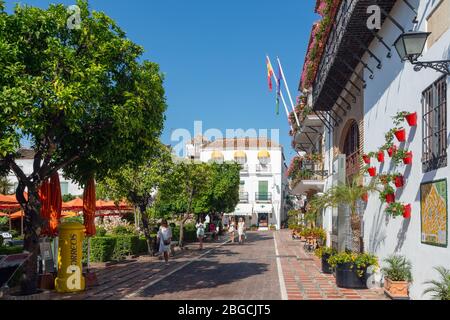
column 319, row 252
column 123, row 230
column 190, row 233
column 142, row 245
column 359, row 260
column 101, row 232
column 440, row 289
column 102, row 249
column 1, row 241
column 125, row 245
column 398, row 268
column 78, row 219
column 6, row 250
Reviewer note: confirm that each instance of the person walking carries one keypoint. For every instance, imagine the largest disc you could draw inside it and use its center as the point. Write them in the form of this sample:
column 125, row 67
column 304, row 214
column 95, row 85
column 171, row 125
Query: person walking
column 165, row 238
column 232, row 229
column 200, row 232
column 241, row 230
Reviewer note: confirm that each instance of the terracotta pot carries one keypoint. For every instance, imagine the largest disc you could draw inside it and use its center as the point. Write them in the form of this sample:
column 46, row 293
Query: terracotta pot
column 365, row 197
column 411, row 119
column 408, row 158
column 400, row 135
column 399, row 181
column 407, row 211
column 372, row 171
column 390, row 198
column 396, row 289
column 391, row 151
column 380, row 156
column 366, row 159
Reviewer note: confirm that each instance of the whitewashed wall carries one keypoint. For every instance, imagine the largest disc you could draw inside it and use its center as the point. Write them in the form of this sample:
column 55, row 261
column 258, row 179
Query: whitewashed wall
column 397, row 87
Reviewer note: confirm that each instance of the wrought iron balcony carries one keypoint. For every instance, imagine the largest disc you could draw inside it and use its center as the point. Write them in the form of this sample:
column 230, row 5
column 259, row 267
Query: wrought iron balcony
column 243, row 197
column 348, row 40
column 263, row 196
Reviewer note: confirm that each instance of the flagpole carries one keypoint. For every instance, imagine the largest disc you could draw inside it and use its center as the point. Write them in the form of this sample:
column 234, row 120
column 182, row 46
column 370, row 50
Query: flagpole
column 289, row 93
column 281, row 94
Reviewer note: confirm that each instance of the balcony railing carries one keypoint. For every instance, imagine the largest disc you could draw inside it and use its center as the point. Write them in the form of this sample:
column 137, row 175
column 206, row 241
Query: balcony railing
column 263, row 168
column 314, row 170
column 263, row 196
column 352, row 164
column 243, row 197
column 244, row 168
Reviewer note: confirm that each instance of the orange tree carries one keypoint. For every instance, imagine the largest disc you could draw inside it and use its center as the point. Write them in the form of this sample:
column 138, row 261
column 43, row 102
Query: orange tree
column 81, row 97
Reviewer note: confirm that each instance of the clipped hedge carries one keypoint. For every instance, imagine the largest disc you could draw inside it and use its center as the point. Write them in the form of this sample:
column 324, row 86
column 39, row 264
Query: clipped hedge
column 190, row 233
column 102, row 249
column 108, row 248
column 6, row 250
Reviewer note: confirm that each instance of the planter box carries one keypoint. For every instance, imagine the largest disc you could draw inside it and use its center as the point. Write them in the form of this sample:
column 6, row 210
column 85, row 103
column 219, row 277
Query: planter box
column 396, row 289
column 347, row 277
column 326, row 268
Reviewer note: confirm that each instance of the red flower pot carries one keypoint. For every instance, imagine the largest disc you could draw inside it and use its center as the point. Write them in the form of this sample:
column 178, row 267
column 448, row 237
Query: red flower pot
column 411, row 119
column 391, row 151
column 400, row 135
column 390, row 198
column 380, row 156
column 399, row 181
column 408, row 158
column 366, row 159
column 365, row 197
column 407, row 211
column 372, row 171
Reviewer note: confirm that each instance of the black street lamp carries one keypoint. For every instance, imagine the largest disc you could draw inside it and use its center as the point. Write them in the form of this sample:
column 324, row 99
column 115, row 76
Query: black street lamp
column 409, row 46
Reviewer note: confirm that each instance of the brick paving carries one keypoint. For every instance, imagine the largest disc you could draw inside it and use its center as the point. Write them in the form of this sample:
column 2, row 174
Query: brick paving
column 231, row 272
column 305, row 281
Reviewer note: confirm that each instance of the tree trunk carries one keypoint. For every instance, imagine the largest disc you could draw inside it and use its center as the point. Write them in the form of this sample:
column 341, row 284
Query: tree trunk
column 355, row 222
column 182, row 222
column 144, row 220
column 32, row 230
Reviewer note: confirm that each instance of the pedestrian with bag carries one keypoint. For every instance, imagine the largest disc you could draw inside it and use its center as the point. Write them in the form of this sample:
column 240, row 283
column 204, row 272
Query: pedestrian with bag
column 200, row 232
column 165, row 238
column 232, row 230
column 241, row 230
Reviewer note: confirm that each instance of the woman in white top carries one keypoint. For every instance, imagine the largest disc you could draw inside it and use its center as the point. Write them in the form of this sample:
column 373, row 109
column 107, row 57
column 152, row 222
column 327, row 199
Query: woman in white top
column 241, row 230
column 200, row 232
column 164, row 238
column 232, row 229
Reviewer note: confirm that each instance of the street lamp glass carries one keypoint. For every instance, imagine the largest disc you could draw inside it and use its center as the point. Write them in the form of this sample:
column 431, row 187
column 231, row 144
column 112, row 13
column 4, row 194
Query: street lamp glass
column 409, row 45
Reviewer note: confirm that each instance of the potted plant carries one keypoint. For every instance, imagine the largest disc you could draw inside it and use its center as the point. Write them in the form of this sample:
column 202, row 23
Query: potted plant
column 411, row 118
column 380, row 155
column 395, row 209
column 324, row 253
column 366, row 158
column 407, row 159
column 402, row 155
column 387, row 195
column 407, row 211
column 372, row 171
column 351, row 268
column 400, row 134
column 391, row 150
column 399, row 181
column 397, row 276
column 439, row 289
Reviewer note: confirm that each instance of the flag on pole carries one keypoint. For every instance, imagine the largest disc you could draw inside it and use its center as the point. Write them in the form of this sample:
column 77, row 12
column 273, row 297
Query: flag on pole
column 269, row 73
column 279, row 77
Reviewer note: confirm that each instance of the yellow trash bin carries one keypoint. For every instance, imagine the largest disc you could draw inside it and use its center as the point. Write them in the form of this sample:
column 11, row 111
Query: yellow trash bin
column 70, row 273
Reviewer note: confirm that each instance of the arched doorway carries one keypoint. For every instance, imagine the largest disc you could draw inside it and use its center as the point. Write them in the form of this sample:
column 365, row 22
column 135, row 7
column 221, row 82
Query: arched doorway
column 350, row 147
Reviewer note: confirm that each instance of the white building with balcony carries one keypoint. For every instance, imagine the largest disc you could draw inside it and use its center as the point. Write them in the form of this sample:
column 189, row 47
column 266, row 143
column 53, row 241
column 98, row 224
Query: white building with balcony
column 263, row 185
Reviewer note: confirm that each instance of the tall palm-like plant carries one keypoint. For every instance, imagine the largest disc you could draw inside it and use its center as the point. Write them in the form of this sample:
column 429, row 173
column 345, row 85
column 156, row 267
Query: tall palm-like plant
column 440, row 289
column 348, row 194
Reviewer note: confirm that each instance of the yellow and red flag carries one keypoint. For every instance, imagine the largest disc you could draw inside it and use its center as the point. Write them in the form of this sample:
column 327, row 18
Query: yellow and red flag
column 269, row 73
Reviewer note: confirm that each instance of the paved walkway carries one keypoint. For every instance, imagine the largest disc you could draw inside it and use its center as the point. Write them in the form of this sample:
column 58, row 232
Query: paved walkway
column 231, row 272
column 303, row 277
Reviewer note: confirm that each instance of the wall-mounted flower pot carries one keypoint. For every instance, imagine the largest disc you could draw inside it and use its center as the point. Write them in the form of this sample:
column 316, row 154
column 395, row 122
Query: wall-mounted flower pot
column 380, row 156
column 411, row 119
column 347, row 277
column 326, row 268
column 399, row 181
column 407, row 211
column 372, row 171
column 365, row 197
column 366, row 159
column 400, row 135
column 391, row 151
column 408, row 158
column 390, row 198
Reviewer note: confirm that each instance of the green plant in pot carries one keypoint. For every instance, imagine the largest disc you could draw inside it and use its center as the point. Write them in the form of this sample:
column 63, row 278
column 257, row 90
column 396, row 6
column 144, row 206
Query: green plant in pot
column 399, row 155
column 351, row 268
column 397, row 276
column 439, row 289
column 395, row 209
column 386, row 194
column 324, row 253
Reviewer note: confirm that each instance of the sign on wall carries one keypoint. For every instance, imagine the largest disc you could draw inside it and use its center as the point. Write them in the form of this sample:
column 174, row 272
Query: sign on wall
column 434, row 213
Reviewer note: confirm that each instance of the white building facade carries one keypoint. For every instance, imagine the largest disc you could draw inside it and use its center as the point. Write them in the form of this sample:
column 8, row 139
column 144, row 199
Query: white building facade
column 263, row 185
column 361, row 84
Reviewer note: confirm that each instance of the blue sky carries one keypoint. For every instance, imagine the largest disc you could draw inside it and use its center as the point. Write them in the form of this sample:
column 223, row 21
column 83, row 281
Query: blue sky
column 213, row 56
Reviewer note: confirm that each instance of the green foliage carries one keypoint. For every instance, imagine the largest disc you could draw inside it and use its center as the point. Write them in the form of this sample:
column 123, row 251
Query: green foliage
column 317, row 233
column 4, row 221
column 360, row 261
column 398, row 156
column 68, row 197
column 387, row 190
column 125, row 245
column 439, row 289
column 397, row 268
column 399, row 118
column 6, row 250
column 123, row 230
column 78, row 219
column 395, row 209
column 100, row 232
column 190, row 233
column 5, row 186
column 102, row 249
column 319, row 252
